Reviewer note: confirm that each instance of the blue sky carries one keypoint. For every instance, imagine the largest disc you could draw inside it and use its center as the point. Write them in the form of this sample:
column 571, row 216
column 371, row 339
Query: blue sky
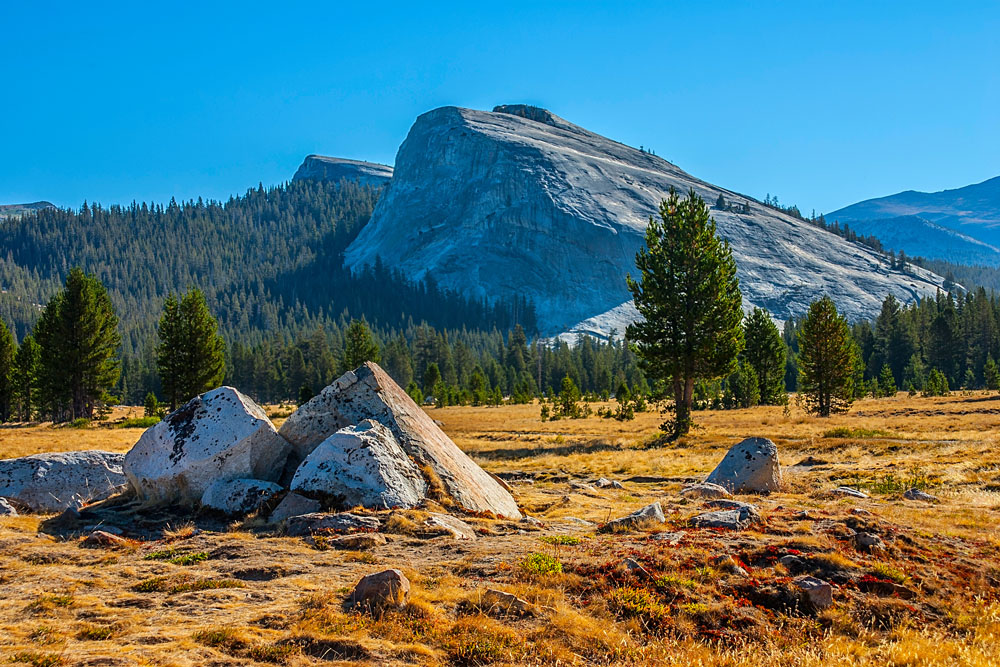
column 821, row 104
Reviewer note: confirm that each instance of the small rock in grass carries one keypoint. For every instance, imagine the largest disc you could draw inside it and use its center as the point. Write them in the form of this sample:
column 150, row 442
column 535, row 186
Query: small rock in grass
column 389, row 588
column 727, row 563
column 705, row 490
column 636, row 568
column 578, row 520
column 100, row 538
column 818, row 592
column 804, row 515
column 733, row 519
column 860, row 511
column 531, row 521
column 605, row 483
column 652, row 513
column 449, row 525
column 792, row 562
column 506, row 602
column 672, row 539
column 917, row 494
column 849, row 491
column 869, row 542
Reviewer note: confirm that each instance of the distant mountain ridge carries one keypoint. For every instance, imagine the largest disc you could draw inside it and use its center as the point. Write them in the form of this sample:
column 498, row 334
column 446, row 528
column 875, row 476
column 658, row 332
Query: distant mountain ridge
column 520, row 201
column 323, row 168
column 18, row 210
column 960, row 225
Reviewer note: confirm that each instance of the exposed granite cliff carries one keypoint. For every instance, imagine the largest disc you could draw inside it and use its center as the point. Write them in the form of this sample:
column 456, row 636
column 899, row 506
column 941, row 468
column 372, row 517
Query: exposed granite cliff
column 322, row 168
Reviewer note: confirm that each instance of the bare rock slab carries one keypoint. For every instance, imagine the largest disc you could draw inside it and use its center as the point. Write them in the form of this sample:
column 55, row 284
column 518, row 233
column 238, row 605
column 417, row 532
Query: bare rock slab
column 55, row 481
column 705, row 490
column 6, row 509
column 382, row 590
column 238, row 496
column 362, row 465
column 369, row 393
column 218, row 436
column 322, row 522
column 750, row 466
column 729, row 519
column 449, row 525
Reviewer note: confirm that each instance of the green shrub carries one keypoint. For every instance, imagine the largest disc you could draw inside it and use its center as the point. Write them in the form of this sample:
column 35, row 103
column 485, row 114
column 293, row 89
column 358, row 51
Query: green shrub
column 139, row 422
column 541, row 564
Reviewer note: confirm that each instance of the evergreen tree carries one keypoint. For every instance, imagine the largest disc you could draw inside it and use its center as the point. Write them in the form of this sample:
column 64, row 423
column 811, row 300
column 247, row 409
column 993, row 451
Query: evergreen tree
column 744, row 386
column 359, row 345
column 25, row 378
column 151, row 405
column 992, row 374
column 886, row 382
column 689, row 298
column 766, row 354
column 7, row 353
column 78, row 339
column 432, row 376
column 828, row 359
column 191, row 353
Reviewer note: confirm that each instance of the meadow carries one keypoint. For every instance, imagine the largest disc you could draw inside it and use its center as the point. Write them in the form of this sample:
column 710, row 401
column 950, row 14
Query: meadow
column 663, row 594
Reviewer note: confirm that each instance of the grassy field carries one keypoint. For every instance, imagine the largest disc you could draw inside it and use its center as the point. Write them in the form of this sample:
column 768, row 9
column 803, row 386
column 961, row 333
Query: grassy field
column 705, row 597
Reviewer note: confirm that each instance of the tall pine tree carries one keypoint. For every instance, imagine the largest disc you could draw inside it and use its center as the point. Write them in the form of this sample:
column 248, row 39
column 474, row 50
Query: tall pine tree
column 7, row 352
column 25, row 379
column 689, row 298
column 359, row 345
column 828, row 360
column 79, row 340
column 191, row 353
column 765, row 352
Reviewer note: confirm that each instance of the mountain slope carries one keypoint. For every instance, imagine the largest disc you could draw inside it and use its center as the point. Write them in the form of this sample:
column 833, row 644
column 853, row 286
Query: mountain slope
column 972, row 211
column 520, row 201
column 322, row 168
column 18, row 210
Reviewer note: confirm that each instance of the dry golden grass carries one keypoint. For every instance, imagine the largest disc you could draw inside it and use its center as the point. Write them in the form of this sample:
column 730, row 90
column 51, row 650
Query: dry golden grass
column 282, row 600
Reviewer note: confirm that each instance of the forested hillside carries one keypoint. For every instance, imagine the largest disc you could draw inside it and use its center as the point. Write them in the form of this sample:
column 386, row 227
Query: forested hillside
column 269, row 262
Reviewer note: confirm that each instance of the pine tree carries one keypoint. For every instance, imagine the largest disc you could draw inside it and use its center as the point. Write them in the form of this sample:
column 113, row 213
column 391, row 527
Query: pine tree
column 744, row 386
column 765, row 352
column 191, row 353
column 78, row 339
column 432, row 376
column 991, row 374
column 25, row 378
column 886, row 382
column 7, row 353
column 828, row 360
column 689, row 298
column 359, row 345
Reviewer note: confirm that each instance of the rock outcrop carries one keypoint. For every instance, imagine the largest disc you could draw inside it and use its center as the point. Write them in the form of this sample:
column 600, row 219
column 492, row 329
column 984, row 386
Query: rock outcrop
column 238, row 496
column 389, row 588
column 521, row 203
column 219, row 436
column 55, row 481
column 369, row 393
column 322, row 168
column 750, row 466
column 362, row 465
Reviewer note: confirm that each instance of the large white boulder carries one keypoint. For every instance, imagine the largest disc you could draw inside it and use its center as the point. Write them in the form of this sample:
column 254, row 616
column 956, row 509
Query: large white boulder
column 362, row 465
column 369, row 393
column 219, row 436
column 751, row 466
column 54, row 481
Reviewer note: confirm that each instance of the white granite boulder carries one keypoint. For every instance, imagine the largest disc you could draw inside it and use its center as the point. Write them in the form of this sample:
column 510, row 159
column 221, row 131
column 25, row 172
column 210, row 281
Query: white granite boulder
column 238, row 496
column 750, row 466
column 294, row 505
column 55, row 481
column 705, row 490
column 216, row 437
column 6, row 509
column 362, row 465
column 369, row 393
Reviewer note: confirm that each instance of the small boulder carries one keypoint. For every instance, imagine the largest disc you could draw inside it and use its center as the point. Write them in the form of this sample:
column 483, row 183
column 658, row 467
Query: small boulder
column 321, row 522
column 218, row 436
column 705, row 490
column 493, row 600
column 731, row 519
column 849, row 491
column 792, row 563
column 672, row 539
column 449, row 525
column 651, row 513
column 382, row 590
column 362, row 465
column 868, row 542
column 238, row 496
column 750, row 466
column 724, row 504
column 817, row 592
column 636, row 568
column 6, row 509
column 294, row 505
column 917, row 494
column 605, row 483
column 55, row 481
column 103, row 539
